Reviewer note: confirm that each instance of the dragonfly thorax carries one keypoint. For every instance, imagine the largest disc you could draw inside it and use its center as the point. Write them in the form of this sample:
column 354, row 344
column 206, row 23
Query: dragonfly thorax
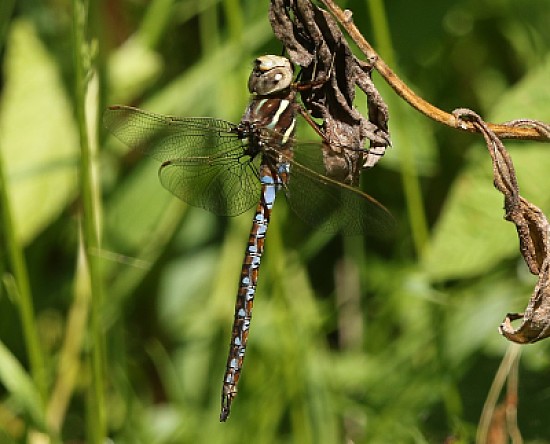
column 252, row 135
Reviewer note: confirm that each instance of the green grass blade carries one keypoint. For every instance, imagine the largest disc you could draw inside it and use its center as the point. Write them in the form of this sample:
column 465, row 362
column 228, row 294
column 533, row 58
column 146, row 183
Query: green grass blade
column 89, row 212
column 21, row 386
column 411, row 183
column 23, row 291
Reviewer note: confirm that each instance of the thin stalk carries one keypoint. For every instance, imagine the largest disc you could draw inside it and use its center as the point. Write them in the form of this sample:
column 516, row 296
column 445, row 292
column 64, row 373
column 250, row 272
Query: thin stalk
column 508, row 361
column 16, row 256
column 411, row 183
column 154, row 23
column 69, row 357
column 512, row 404
column 23, row 290
column 95, row 399
column 208, row 29
column 234, row 15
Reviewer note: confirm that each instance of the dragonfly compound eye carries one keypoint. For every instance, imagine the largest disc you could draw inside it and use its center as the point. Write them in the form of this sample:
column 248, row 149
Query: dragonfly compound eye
column 271, row 74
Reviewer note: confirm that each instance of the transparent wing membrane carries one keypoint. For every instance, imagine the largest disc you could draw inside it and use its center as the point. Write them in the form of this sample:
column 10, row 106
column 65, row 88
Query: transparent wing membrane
column 166, row 137
column 331, row 205
column 204, row 161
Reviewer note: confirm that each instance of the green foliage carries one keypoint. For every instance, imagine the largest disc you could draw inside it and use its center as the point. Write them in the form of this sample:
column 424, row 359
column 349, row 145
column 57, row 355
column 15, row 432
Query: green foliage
column 354, row 340
column 41, row 151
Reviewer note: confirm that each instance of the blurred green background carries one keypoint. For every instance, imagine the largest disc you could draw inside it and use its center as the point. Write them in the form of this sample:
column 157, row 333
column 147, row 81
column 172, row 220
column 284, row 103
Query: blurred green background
column 353, row 340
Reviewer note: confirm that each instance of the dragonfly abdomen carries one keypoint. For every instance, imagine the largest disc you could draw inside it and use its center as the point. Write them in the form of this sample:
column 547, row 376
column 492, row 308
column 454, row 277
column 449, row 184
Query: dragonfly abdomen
column 247, row 288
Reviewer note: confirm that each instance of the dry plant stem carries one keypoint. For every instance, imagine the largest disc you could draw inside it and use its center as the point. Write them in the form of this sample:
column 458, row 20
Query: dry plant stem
column 426, row 108
column 503, row 373
column 69, row 359
column 512, row 404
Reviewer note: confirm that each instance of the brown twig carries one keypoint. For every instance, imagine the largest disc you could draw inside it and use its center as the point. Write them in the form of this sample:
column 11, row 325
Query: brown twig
column 426, row 108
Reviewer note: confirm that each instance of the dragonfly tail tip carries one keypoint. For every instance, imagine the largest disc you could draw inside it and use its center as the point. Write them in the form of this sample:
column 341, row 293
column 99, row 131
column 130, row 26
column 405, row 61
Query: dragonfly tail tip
column 226, row 408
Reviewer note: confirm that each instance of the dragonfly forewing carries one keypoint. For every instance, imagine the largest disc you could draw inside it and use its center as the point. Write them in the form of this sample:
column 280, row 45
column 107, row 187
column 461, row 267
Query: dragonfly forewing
column 204, row 161
column 167, row 137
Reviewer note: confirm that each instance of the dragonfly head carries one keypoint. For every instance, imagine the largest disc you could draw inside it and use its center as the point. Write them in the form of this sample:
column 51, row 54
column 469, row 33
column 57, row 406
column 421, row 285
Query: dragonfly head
column 271, row 74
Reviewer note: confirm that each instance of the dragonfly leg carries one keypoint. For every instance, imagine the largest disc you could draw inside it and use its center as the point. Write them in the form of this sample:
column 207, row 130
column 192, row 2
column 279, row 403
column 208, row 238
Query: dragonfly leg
column 311, row 122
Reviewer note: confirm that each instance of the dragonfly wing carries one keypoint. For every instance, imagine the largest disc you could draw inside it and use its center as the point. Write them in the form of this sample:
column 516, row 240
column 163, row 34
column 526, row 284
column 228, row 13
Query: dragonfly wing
column 204, row 160
column 167, row 137
column 221, row 184
column 329, row 204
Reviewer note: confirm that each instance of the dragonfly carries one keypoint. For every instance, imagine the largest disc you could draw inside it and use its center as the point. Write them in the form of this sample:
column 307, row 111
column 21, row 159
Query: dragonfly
column 227, row 168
